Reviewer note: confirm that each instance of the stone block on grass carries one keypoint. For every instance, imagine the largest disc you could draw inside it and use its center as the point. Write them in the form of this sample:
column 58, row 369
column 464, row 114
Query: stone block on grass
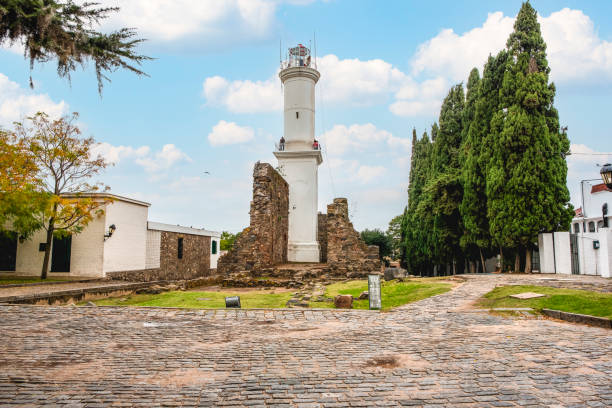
column 343, row 302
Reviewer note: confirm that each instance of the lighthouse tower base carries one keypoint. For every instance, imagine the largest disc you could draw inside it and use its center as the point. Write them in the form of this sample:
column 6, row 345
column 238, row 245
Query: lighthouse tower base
column 300, row 169
column 303, row 252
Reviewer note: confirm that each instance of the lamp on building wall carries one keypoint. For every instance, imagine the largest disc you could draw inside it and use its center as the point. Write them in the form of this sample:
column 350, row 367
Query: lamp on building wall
column 111, row 230
column 606, row 174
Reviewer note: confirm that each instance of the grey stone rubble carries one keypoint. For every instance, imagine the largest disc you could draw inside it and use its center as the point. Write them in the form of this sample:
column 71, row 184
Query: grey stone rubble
column 432, row 353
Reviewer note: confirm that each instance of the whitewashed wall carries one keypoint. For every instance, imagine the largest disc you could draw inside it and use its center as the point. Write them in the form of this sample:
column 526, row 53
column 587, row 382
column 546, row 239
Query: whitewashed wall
column 587, row 255
column 86, row 253
column 605, row 252
column 126, row 249
column 153, row 249
column 563, row 255
column 214, row 258
column 547, row 258
column 29, row 259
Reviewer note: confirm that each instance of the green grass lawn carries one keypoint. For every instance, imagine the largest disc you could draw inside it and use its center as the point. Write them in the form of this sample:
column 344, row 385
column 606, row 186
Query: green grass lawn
column 14, row 280
column 200, row 300
column 393, row 293
column 567, row 300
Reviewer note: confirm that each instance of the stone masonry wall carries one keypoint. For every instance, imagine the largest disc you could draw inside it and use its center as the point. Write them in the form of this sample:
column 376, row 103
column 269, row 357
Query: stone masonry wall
column 264, row 243
column 347, row 254
column 322, row 236
column 195, row 262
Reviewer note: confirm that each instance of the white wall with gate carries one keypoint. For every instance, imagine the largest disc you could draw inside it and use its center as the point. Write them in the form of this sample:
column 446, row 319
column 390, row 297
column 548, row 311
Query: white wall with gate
column 584, row 253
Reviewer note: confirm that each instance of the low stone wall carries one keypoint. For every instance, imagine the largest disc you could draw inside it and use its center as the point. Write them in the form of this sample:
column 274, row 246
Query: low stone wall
column 264, row 242
column 195, row 262
column 346, row 252
column 579, row 318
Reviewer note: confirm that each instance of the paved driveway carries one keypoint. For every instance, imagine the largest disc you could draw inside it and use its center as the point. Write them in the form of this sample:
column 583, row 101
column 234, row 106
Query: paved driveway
column 435, row 352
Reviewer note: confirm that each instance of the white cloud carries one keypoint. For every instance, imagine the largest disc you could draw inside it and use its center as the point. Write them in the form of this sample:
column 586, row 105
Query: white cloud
column 224, row 133
column 452, row 55
column 417, row 99
column 341, row 138
column 167, row 157
column 114, row 154
column 17, row 103
column 349, row 81
column 366, row 174
column 164, row 159
column 16, row 47
column 202, row 23
column 575, row 51
column 355, row 81
column 244, row 96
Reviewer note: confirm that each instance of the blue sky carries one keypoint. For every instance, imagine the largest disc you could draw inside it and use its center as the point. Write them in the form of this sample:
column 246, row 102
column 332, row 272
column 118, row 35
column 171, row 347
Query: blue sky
column 213, row 99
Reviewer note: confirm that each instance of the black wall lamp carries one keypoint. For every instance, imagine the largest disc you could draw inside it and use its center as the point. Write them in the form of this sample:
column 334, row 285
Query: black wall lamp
column 606, row 174
column 111, row 230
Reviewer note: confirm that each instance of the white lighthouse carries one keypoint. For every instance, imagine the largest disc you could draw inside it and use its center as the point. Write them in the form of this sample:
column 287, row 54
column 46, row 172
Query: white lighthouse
column 299, row 154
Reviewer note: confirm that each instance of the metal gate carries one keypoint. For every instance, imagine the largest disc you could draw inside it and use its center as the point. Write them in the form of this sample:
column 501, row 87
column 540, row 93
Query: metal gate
column 574, row 254
column 535, row 260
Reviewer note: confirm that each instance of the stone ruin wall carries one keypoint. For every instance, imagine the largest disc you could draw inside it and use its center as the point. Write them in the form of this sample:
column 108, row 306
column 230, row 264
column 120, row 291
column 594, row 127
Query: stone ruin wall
column 195, row 262
column 264, row 243
column 347, row 254
column 322, row 237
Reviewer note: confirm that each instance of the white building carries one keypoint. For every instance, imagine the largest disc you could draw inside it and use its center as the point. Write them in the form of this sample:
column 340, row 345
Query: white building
column 299, row 156
column 587, row 248
column 122, row 240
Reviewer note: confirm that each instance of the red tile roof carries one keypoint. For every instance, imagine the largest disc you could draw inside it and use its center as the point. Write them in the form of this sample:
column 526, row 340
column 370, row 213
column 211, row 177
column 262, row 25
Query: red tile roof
column 599, row 187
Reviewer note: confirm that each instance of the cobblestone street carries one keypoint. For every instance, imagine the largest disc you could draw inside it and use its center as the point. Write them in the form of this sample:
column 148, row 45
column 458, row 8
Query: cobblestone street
column 436, row 352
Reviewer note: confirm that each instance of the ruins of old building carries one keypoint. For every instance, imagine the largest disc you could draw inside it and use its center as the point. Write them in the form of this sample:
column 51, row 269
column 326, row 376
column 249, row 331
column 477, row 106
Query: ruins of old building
column 285, row 224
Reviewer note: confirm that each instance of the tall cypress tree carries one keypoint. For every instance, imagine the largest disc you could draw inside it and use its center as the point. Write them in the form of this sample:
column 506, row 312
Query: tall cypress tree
column 443, row 192
column 526, row 171
column 477, row 149
column 415, row 236
column 469, row 155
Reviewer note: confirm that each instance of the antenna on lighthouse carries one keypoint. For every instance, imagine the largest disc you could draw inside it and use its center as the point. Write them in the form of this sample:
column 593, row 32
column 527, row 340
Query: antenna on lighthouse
column 315, row 49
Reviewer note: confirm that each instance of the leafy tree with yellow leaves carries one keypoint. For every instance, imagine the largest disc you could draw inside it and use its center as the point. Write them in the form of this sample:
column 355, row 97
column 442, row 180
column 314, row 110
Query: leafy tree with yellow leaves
column 65, row 164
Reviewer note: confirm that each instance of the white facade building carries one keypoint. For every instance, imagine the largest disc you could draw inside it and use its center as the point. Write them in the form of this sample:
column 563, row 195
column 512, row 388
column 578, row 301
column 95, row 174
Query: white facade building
column 299, row 155
column 587, row 248
column 133, row 246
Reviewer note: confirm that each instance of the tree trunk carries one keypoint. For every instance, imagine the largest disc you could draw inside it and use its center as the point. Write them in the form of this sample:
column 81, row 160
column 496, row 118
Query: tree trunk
column 501, row 260
column 45, row 267
column 517, row 262
column 527, row 260
column 454, row 267
column 484, row 270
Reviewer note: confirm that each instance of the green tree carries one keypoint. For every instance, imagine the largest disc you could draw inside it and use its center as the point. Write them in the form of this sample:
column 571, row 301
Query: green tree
column 62, row 30
column 526, row 170
column 473, row 205
column 64, row 163
column 378, row 238
column 443, row 192
column 394, row 233
column 20, row 196
column 418, row 220
column 227, row 240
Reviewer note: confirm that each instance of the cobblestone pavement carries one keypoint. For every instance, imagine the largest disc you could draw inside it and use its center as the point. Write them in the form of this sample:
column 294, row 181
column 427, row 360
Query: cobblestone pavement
column 436, row 352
